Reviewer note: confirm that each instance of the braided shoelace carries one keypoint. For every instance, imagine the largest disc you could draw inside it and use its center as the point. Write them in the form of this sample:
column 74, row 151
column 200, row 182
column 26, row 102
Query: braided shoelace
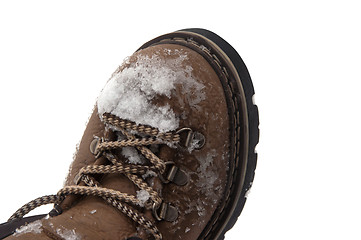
column 119, row 200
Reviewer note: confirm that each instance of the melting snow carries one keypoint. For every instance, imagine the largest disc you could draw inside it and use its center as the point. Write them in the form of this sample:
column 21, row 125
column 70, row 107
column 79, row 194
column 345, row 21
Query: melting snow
column 129, row 93
column 34, row 227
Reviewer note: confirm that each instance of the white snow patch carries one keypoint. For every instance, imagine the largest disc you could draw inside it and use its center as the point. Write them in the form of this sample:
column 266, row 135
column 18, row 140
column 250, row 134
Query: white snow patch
column 34, row 227
column 68, row 234
column 142, row 196
column 132, row 155
column 93, row 211
column 129, row 93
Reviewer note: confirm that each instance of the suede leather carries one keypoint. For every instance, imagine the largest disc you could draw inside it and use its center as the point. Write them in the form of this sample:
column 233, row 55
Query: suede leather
column 196, row 202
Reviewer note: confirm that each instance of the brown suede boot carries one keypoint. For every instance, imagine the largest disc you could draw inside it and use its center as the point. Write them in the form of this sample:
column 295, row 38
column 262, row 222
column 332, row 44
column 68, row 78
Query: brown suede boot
column 168, row 153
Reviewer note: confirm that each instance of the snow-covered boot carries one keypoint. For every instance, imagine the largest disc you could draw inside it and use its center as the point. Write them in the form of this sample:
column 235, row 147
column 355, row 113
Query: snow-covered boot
column 168, row 153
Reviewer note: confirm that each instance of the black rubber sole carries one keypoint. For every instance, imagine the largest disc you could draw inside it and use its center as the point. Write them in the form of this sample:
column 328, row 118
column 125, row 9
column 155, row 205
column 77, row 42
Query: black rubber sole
column 253, row 122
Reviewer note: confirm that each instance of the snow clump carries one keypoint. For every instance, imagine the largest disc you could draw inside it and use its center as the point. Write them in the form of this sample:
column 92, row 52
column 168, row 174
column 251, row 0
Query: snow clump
column 129, row 93
column 132, row 155
column 142, row 196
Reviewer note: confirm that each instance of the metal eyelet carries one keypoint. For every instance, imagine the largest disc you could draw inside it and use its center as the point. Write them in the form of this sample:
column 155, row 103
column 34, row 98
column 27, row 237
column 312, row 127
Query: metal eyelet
column 190, row 138
column 200, row 139
column 174, row 174
column 78, row 178
column 94, row 146
column 165, row 211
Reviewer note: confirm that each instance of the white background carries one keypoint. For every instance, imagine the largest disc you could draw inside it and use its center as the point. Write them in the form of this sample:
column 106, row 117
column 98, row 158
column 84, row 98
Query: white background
column 304, row 58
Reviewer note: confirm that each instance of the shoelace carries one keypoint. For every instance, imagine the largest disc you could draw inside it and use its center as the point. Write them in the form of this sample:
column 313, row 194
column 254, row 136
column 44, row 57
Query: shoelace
column 119, row 200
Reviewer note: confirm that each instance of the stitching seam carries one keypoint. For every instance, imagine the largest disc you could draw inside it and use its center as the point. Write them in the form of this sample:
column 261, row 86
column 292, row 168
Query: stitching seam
column 236, row 133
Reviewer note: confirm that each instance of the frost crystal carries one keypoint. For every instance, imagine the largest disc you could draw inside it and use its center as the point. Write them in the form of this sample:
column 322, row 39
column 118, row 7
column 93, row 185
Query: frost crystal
column 207, row 175
column 34, row 227
column 201, row 210
column 129, row 93
column 143, row 197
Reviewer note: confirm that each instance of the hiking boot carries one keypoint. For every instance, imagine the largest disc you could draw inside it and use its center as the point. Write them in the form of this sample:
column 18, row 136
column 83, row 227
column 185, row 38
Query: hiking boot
column 168, row 153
